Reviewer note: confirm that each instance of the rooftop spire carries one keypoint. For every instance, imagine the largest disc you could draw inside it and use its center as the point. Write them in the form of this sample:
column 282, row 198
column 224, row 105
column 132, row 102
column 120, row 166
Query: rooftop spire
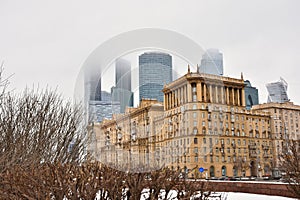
column 189, row 70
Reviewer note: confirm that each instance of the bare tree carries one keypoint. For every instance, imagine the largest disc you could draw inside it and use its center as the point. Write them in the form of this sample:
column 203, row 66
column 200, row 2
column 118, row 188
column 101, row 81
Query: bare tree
column 290, row 164
column 38, row 127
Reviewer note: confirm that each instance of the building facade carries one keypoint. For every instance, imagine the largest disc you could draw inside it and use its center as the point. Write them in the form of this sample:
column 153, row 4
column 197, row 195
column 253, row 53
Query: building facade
column 285, row 121
column 155, row 70
column 104, row 109
column 203, row 122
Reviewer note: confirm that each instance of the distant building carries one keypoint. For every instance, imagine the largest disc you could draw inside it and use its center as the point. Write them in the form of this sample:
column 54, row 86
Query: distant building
column 278, row 91
column 122, row 91
column 123, row 74
column 155, row 70
column 212, row 62
column 125, row 97
column 104, row 109
column 251, row 95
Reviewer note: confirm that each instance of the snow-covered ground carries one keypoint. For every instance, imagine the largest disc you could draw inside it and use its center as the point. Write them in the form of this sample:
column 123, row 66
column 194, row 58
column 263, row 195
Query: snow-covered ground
column 245, row 196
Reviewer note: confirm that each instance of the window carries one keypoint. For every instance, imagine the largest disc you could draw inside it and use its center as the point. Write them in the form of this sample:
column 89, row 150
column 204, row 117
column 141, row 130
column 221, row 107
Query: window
column 228, row 141
column 204, row 149
column 195, row 123
column 217, row 158
column 195, row 149
column 203, row 114
column 194, row 115
column 203, row 123
column 205, row 158
column 194, row 97
column 217, row 150
column 195, row 159
column 195, row 131
column 228, row 159
column 204, row 140
column 228, row 150
column 195, row 140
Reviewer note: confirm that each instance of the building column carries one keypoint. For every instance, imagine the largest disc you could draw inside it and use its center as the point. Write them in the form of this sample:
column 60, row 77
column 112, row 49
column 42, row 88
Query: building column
column 165, row 101
column 210, row 93
column 204, row 92
column 222, row 95
column 227, row 96
column 189, row 92
column 216, row 94
column 243, row 97
column 199, row 92
column 238, row 97
column 233, row 102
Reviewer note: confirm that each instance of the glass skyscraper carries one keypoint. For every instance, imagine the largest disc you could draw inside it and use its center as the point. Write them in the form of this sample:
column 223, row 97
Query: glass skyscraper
column 212, row 62
column 122, row 91
column 278, row 91
column 155, row 70
column 251, row 95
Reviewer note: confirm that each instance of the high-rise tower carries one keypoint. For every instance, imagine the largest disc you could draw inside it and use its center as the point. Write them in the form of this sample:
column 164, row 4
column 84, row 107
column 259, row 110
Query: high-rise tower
column 212, row 62
column 155, row 70
column 122, row 91
column 277, row 91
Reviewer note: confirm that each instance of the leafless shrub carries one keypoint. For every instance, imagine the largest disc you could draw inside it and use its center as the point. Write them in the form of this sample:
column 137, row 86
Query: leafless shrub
column 290, row 164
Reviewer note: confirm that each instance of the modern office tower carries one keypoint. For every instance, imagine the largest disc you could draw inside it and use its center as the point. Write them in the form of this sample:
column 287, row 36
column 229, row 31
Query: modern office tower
column 155, row 70
column 251, row 95
column 92, row 87
column 212, row 62
column 278, row 91
column 123, row 74
column 104, row 109
column 122, row 91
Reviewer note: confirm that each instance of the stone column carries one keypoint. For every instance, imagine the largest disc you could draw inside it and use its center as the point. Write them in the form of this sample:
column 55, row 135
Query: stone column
column 227, row 96
column 216, row 94
column 165, row 101
column 222, row 94
column 204, row 92
column 233, row 102
column 210, row 93
column 243, row 97
column 189, row 92
column 199, row 92
column 238, row 97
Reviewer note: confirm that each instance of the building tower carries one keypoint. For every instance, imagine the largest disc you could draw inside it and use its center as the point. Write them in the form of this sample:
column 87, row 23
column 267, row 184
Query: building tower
column 155, row 70
column 122, row 91
column 251, row 95
column 212, row 62
column 277, row 91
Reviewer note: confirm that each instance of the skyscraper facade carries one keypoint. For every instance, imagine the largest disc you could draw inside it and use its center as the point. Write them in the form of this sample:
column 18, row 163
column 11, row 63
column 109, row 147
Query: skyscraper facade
column 277, row 91
column 251, row 95
column 122, row 90
column 212, row 62
column 155, row 70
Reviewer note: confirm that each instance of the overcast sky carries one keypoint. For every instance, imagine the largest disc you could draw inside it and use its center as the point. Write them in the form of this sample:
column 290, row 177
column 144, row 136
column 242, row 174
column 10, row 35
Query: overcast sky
column 46, row 42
